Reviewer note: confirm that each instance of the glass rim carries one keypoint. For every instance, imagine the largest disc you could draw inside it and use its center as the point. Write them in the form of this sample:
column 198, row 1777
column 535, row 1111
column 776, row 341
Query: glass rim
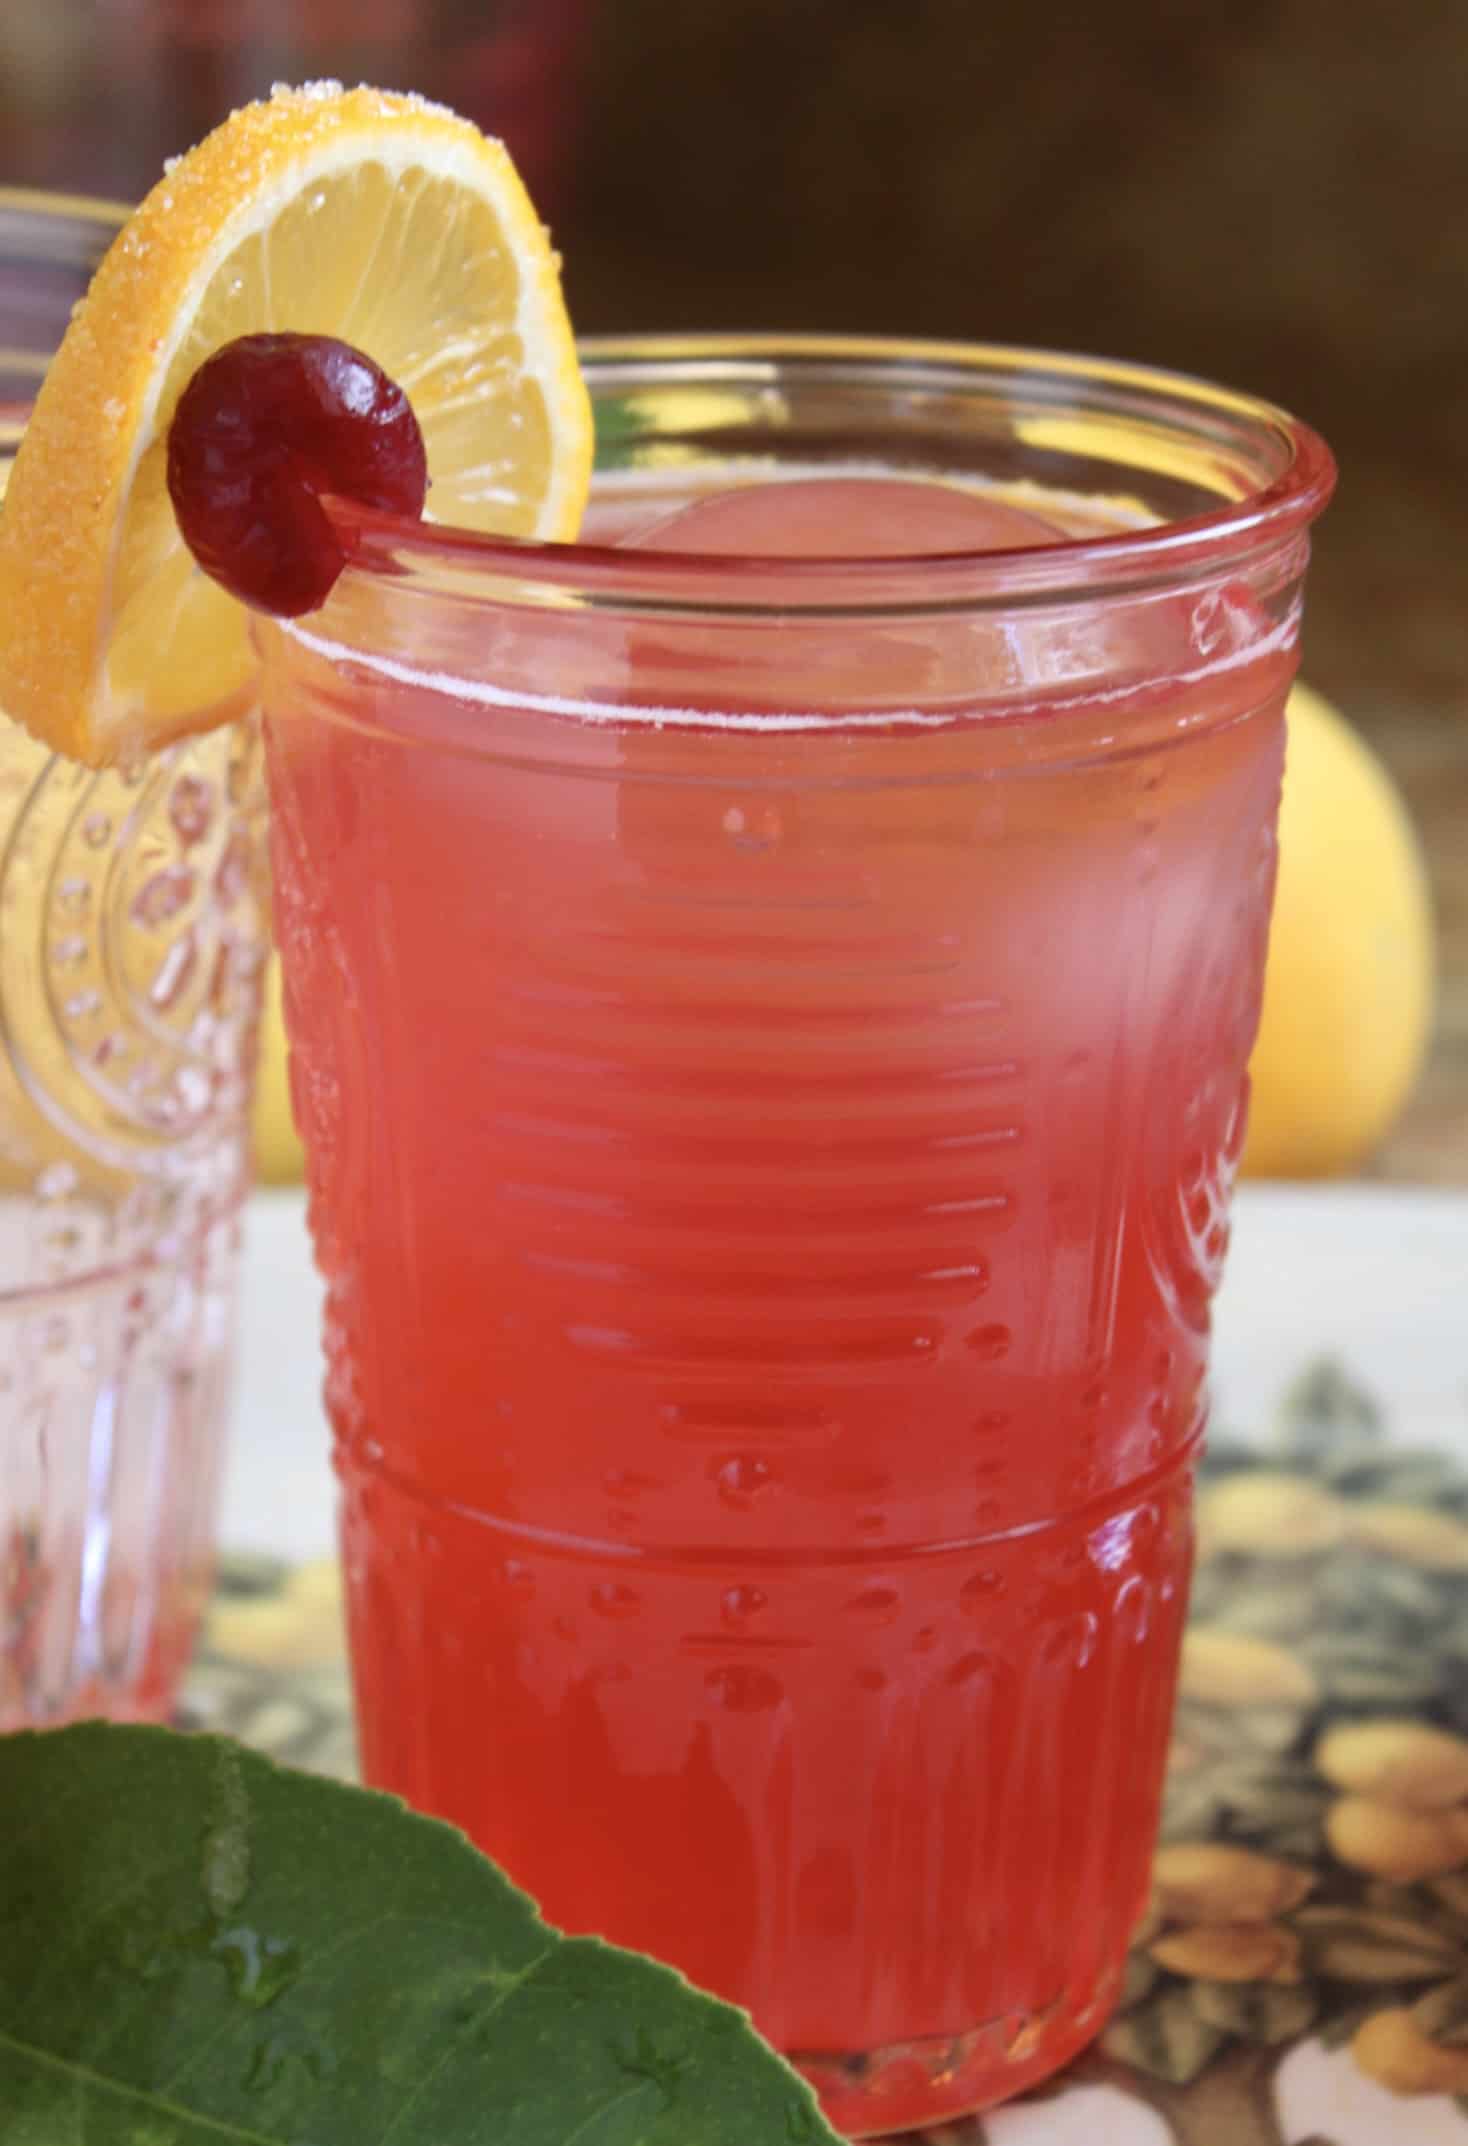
column 32, row 223
column 54, row 208
column 519, row 571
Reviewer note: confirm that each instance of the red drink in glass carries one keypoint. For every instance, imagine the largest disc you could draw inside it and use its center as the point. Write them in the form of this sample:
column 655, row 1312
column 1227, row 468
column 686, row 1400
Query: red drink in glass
column 771, row 1038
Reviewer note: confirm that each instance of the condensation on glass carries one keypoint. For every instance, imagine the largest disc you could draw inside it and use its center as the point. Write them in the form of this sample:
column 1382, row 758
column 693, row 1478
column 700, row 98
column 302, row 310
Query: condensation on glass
column 772, row 1039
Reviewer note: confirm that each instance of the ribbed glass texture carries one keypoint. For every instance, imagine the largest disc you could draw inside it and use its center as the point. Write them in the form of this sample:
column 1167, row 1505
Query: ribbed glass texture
column 771, row 1041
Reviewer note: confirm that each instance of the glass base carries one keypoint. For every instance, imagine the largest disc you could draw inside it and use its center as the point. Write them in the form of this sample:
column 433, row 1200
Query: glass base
column 869, row 2093
column 119, row 1691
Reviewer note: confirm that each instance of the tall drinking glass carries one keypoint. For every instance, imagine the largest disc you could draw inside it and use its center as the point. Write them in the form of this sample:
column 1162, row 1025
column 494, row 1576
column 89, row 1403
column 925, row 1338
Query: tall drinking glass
column 131, row 938
column 770, row 1038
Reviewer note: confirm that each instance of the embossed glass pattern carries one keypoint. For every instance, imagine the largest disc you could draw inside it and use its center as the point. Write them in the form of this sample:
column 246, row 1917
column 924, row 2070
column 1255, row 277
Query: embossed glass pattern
column 773, row 1072
column 131, row 939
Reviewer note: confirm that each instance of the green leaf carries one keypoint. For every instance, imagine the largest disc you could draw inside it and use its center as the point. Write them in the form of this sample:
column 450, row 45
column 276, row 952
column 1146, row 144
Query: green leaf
column 1323, row 1412
column 1165, row 2037
column 1268, row 2013
column 200, row 1948
column 1365, row 1945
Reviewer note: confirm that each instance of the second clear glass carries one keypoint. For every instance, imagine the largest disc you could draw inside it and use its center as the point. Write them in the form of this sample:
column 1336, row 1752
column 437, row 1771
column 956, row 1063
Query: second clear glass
column 132, row 935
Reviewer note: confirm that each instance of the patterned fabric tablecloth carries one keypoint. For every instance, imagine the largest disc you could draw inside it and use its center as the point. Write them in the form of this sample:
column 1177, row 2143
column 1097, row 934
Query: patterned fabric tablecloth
column 1301, row 1976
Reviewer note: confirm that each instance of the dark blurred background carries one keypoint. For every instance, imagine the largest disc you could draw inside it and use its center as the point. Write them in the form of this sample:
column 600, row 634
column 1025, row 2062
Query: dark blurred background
column 1275, row 193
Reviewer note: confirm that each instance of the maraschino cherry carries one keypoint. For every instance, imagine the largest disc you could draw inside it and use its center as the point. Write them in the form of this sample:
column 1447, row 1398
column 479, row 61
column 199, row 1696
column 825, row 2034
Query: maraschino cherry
column 268, row 426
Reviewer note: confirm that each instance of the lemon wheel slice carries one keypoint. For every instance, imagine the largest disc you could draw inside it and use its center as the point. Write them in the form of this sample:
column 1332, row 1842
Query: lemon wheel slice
column 380, row 219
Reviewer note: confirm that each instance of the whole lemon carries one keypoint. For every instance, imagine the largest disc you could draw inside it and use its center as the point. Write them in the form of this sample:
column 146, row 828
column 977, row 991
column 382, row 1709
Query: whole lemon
column 278, row 1156
column 1349, row 981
